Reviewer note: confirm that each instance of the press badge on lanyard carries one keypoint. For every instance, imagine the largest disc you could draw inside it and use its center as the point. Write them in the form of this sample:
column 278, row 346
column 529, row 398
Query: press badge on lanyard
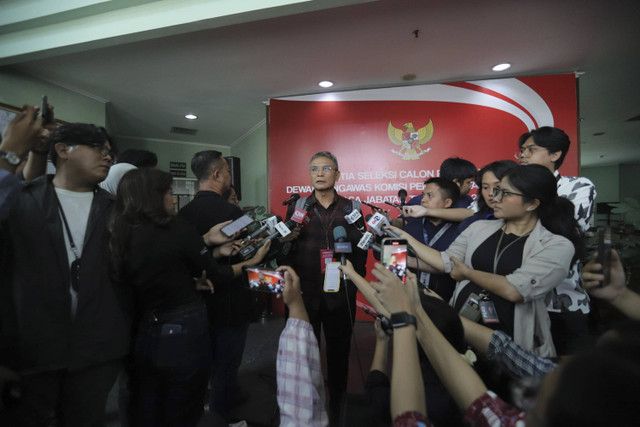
column 326, row 256
column 488, row 310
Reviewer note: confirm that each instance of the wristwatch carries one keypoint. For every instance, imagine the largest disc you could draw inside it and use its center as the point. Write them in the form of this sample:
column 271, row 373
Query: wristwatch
column 12, row 158
column 401, row 319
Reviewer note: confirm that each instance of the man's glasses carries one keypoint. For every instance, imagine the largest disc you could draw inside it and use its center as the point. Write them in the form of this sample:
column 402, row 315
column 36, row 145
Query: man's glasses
column 499, row 193
column 100, row 148
column 316, row 170
column 528, row 150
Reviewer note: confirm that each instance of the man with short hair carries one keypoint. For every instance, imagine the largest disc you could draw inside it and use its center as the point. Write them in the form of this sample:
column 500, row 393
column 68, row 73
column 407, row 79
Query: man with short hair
column 569, row 305
column 439, row 193
column 462, row 172
column 69, row 321
column 333, row 312
column 230, row 307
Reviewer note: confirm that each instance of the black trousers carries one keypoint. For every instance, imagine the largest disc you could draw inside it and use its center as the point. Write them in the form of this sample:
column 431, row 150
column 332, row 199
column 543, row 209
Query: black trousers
column 337, row 326
column 73, row 398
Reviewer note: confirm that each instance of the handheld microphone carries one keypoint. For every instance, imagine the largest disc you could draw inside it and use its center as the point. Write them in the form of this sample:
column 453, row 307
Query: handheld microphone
column 402, row 194
column 372, row 206
column 294, row 198
column 301, row 216
column 281, row 230
column 354, row 217
column 255, row 234
column 341, row 245
column 377, row 222
column 395, row 205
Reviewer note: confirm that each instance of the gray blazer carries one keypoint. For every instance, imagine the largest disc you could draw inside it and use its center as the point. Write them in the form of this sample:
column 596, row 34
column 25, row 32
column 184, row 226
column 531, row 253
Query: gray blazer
column 545, row 263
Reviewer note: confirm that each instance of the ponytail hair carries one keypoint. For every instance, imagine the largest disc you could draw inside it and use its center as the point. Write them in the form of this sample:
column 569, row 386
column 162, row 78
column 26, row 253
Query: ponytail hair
column 555, row 213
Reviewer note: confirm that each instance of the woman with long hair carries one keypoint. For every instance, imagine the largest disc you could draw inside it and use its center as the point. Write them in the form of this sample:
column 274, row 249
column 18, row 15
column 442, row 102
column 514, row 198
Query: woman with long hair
column 487, row 179
column 506, row 267
column 158, row 256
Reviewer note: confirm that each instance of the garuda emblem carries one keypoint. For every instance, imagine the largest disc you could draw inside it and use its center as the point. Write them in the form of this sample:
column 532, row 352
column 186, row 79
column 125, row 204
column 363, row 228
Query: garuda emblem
column 410, row 140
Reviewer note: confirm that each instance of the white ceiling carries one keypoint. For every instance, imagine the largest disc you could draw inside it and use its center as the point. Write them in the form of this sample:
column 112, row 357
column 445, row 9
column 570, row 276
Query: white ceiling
column 224, row 66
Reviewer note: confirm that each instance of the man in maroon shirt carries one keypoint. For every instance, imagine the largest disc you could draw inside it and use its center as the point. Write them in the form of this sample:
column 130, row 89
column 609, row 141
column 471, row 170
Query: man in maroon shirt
column 334, row 312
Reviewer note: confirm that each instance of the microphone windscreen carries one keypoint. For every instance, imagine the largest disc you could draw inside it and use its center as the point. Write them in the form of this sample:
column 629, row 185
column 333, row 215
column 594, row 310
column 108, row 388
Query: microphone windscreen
column 339, row 233
column 347, row 209
column 368, row 217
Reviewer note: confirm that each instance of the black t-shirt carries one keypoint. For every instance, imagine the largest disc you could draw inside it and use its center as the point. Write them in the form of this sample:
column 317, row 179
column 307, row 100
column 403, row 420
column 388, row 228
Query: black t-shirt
column 508, row 260
column 161, row 262
column 207, row 209
column 231, row 304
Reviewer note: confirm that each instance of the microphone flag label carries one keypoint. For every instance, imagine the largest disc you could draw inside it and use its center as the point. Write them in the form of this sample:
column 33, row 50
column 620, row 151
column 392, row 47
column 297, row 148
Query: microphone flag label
column 376, row 222
column 299, row 215
column 342, row 248
column 353, row 216
column 283, row 229
column 365, row 241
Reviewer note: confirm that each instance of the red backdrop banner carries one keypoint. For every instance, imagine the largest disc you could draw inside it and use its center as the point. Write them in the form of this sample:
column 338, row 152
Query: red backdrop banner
column 396, row 138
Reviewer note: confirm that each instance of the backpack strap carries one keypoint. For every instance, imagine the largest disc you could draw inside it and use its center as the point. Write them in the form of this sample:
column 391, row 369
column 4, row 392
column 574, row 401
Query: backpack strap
column 300, row 202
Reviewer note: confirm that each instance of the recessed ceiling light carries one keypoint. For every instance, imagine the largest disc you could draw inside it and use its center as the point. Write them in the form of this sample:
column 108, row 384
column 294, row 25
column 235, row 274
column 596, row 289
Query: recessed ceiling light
column 501, row 67
column 191, row 116
column 325, row 83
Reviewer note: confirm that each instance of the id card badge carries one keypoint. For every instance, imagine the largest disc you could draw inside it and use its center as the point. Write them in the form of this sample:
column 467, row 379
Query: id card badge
column 332, row 277
column 326, row 256
column 424, row 279
column 488, row 311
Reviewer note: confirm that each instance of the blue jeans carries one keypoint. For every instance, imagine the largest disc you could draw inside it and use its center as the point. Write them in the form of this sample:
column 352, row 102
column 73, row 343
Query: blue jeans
column 172, row 361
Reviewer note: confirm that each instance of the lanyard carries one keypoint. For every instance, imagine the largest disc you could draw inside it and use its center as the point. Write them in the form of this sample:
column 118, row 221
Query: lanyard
column 74, row 249
column 497, row 255
column 75, row 265
column 437, row 236
column 328, row 226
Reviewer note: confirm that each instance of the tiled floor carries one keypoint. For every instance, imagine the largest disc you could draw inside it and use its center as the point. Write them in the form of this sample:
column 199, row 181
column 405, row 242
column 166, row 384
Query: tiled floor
column 257, row 376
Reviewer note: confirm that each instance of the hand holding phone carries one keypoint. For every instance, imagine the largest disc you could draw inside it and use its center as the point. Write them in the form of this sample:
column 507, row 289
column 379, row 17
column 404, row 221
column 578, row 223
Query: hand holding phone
column 394, row 256
column 604, row 253
column 237, row 225
column 45, row 111
column 263, row 280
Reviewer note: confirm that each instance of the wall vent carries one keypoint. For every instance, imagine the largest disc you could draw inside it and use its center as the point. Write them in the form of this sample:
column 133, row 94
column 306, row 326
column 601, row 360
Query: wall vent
column 183, row 131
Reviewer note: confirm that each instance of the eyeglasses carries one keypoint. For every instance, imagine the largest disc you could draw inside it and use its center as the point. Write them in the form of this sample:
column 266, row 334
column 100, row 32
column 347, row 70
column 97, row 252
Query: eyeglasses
column 103, row 150
column 100, row 148
column 499, row 193
column 316, row 170
column 531, row 149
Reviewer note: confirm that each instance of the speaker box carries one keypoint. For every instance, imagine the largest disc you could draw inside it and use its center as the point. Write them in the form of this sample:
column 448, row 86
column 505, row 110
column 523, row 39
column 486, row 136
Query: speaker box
column 234, row 169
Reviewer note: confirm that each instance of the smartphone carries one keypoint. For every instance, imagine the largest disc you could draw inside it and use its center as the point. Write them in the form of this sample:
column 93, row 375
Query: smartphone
column 471, row 308
column 604, row 252
column 44, row 111
column 237, row 225
column 394, row 256
column 263, row 280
